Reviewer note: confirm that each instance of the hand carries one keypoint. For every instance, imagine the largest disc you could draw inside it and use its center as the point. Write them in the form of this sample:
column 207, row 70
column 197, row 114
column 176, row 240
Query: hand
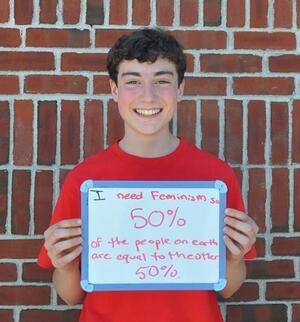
column 239, row 233
column 63, row 243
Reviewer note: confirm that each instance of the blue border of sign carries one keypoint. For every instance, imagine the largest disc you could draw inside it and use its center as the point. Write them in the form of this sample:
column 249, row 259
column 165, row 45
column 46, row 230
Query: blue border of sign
column 89, row 287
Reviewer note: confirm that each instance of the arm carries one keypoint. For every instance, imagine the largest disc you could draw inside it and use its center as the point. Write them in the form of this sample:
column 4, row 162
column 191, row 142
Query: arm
column 63, row 244
column 239, row 236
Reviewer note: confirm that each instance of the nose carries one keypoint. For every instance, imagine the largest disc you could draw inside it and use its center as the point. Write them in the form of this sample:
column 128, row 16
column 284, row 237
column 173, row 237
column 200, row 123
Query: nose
column 149, row 92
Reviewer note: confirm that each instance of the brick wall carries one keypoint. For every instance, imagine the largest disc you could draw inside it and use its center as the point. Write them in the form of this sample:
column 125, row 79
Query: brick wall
column 242, row 103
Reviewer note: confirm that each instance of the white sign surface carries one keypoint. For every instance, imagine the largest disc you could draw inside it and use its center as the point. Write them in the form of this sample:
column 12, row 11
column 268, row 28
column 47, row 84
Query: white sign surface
column 153, row 235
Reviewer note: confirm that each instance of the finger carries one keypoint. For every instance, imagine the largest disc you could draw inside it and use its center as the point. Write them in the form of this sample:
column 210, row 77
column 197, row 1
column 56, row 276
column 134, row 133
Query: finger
column 240, row 215
column 232, row 247
column 61, row 234
column 64, row 246
column 67, row 223
column 240, row 239
column 66, row 259
column 247, row 228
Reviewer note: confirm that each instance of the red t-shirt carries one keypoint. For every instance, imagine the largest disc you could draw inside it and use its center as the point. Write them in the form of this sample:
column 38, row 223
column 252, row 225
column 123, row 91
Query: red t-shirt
column 187, row 162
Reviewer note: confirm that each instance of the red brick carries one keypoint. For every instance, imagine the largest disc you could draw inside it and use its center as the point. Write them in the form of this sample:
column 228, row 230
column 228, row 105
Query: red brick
column 79, row 61
column 6, row 315
column 46, row 132
column 257, row 312
column 261, row 269
column 10, row 37
column 247, row 292
column 71, row 11
column 70, row 132
column 115, row 124
column 4, row 132
column 23, row 12
column 283, row 291
column 62, row 176
column 233, row 131
column 207, row 39
column 188, row 12
column 235, row 13
column 93, row 127
column 186, row 120
column 279, row 132
column 264, row 40
column 283, row 10
column 286, row 246
column 20, row 248
column 228, row 63
column 239, row 175
column 212, row 12
column 9, row 85
column 48, row 11
column 118, row 12
column 4, row 12
column 25, row 295
column 256, row 132
column 23, row 136
column 43, row 198
column 52, row 84
column 285, row 63
column 296, row 199
column 205, row 86
column 258, row 13
column 95, row 12
column 190, row 62
column 210, row 126
column 296, row 132
column 101, row 85
column 30, row 315
column 107, row 37
column 296, row 312
column 41, row 37
column 3, row 200
column 26, row 61
column 141, row 12
column 280, row 200
column 8, row 272
column 257, row 197
column 20, row 202
column 163, row 6
column 260, row 246
column 31, row 272
column 263, row 85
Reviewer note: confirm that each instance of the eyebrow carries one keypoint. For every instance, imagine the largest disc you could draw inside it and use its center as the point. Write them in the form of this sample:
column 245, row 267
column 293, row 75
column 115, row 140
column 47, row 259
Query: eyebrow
column 162, row 72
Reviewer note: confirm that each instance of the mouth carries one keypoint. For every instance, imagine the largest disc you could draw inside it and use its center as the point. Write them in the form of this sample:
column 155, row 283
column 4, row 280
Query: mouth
column 147, row 112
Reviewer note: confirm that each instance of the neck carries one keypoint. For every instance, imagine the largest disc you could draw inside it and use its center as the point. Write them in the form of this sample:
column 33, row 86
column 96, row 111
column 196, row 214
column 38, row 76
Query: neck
column 149, row 147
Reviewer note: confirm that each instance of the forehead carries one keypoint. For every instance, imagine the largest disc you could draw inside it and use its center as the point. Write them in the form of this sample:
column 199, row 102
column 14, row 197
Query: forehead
column 147, row 68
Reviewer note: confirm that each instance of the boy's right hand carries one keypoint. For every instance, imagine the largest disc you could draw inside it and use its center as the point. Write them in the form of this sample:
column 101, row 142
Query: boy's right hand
column 63, row 243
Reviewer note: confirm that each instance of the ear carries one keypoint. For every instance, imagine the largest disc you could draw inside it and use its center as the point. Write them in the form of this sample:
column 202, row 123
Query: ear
column 114, row 90
column 180, row 91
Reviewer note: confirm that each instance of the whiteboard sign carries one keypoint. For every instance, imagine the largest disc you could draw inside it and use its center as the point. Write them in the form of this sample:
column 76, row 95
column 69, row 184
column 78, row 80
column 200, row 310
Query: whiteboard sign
column 153, row 235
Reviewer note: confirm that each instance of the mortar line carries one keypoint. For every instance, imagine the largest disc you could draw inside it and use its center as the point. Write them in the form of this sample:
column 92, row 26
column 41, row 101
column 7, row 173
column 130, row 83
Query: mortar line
column 268, row 178
column 198, row 129
column 221, row 104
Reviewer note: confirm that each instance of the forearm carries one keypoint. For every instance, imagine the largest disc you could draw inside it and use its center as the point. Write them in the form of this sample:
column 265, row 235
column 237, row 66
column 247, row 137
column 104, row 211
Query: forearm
column 236, row 275
column 67, row 285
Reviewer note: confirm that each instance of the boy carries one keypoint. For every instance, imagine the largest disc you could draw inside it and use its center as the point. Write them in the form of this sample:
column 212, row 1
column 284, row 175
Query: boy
column 146, row 72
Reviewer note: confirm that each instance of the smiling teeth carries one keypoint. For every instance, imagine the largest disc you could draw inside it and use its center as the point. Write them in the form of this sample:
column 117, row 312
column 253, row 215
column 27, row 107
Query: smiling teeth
column 148, row 112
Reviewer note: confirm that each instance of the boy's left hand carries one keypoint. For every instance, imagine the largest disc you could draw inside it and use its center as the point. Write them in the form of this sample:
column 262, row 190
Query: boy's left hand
column 239, row 233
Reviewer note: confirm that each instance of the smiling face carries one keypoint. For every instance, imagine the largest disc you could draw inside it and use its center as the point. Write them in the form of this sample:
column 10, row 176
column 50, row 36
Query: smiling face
column 147, row 95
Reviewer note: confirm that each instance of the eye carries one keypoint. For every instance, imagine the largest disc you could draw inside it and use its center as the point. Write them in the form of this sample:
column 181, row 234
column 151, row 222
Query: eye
column 132, row 82
column 163, row 81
